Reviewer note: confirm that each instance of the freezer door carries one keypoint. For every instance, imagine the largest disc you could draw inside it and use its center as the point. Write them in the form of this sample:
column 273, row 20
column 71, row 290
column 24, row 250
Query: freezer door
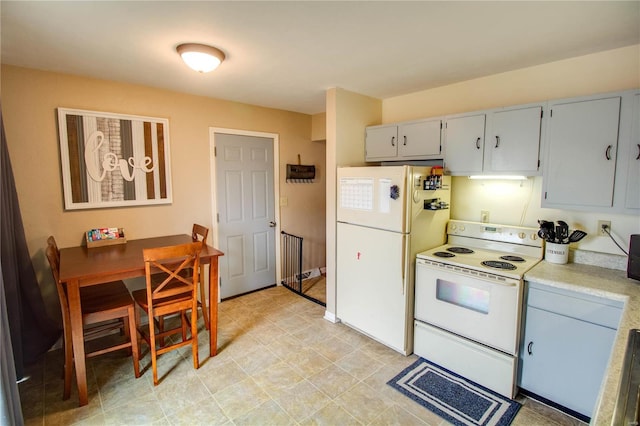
column 375, row 196
column 372, row 291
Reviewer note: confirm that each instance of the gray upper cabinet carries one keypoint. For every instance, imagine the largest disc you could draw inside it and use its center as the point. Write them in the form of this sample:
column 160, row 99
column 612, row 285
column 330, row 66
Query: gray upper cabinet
column 632, row 155
column 592, row 154
column 582, row 149
column 500, row 141
column 381, row 142
column 464, row 144
column 416, row 140
column 513, row 145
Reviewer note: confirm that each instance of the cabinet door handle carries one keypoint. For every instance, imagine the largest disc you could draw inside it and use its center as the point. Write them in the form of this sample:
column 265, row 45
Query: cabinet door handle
column 497, row 141
column 478, row 143
column 529, row 347
column 393, row 141
column 607, row 153
column 638, row 157
column 405, row 140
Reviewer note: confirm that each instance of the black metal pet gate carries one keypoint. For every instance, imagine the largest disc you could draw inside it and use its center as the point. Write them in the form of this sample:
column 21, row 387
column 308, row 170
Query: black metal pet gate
column 292, row 275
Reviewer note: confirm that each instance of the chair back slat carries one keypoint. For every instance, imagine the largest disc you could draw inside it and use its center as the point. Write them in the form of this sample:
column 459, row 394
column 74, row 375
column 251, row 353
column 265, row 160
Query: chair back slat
column 53, row 256
column 199, row 233
column 171, row 261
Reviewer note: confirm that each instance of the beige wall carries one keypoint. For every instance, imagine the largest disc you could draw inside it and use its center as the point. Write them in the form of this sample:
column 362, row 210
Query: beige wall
column 519, row 203
column 607, row 71
column 29, row 102
column 319, row 127
column 348, row 114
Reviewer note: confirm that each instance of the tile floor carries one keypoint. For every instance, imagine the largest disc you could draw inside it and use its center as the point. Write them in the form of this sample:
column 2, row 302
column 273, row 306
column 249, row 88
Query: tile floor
column 279, row 363
column 316, row 288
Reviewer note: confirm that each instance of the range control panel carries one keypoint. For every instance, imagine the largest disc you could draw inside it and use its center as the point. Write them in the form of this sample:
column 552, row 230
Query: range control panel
column 495, row 232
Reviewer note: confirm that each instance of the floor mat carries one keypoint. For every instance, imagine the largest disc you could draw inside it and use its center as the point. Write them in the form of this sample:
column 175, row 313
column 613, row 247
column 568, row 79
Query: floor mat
column 458, row 400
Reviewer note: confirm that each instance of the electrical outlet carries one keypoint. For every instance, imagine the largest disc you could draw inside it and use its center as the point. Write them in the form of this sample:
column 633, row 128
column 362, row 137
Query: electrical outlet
column 607, row 224
column 484, row 216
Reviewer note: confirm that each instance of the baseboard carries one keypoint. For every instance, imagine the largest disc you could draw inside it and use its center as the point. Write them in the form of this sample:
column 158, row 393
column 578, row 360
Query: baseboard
column 331, row 317
column 561, row 408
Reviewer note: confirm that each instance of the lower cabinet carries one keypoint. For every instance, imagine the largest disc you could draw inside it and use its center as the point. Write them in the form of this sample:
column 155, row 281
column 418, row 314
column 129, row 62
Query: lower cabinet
column 567, row 342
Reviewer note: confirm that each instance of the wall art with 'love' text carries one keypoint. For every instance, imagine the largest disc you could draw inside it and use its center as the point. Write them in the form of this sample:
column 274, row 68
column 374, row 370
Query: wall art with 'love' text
column 113, row 160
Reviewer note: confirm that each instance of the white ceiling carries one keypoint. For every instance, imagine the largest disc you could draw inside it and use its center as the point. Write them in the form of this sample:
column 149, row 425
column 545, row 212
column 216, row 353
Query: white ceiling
column 287, row 54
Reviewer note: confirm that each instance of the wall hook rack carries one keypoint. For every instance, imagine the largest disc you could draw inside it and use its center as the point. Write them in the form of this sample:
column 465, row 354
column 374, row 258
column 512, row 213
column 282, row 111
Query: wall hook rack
column 300, row 173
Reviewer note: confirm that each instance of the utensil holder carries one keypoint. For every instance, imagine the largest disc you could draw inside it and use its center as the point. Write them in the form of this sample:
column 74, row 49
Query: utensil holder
column 556, row 253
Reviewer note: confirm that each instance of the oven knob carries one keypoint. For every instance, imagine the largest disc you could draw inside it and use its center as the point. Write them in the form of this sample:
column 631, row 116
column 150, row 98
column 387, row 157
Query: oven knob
column 522, row 235
column 453, row 226
column 461, row 228
column 534, row 236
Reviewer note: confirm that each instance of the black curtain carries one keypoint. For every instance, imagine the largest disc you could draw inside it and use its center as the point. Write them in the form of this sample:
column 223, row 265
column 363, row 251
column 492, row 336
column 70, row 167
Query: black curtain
column 32, row 331
column 10, row 407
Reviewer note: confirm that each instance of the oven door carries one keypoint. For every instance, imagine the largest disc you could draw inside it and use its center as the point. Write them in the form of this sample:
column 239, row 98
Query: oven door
column 479, row 309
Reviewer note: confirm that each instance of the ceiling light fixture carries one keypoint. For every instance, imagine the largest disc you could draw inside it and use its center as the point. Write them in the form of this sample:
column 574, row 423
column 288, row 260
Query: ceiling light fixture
column 200, row 57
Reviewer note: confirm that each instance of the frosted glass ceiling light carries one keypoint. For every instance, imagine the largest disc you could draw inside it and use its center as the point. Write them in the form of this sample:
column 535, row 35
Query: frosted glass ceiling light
column 200, row 57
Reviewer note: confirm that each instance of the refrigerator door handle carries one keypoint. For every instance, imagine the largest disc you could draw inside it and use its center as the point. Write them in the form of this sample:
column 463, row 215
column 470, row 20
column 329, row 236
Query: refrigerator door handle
column 404, row 259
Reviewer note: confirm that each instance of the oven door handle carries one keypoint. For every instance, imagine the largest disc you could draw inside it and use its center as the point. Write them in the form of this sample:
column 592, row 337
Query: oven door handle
column 504, row 284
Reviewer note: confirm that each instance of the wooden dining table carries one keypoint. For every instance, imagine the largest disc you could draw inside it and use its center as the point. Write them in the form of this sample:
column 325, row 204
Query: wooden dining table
column 81, row 266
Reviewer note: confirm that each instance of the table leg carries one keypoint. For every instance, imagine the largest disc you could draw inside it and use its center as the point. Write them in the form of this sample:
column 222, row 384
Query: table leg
column 75, row 309
column 213, row 306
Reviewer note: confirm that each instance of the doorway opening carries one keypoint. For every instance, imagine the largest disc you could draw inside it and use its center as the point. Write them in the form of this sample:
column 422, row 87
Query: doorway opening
column 309, row 284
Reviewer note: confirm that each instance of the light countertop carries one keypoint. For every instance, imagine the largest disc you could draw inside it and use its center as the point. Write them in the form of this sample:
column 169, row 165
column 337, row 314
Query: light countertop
column 608, row 283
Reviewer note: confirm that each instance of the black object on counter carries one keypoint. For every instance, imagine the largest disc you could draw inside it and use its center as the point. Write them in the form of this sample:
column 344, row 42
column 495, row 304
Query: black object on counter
column 633, row 265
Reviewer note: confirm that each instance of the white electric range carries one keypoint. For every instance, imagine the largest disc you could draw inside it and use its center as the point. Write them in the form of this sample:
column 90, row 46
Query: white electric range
column 468, row 300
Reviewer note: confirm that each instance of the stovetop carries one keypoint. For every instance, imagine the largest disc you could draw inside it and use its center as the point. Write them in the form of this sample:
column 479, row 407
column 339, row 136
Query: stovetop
column 502, row 263
column 497, row 249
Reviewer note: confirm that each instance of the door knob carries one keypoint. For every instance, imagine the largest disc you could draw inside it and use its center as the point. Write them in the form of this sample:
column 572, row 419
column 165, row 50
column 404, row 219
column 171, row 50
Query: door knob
column 272, row 224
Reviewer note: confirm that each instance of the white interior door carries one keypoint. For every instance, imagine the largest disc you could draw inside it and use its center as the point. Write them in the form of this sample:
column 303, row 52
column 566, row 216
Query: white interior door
column 244, row 176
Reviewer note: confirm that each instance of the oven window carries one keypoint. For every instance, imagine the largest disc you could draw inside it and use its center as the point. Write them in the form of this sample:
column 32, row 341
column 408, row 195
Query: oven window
column 465, row 296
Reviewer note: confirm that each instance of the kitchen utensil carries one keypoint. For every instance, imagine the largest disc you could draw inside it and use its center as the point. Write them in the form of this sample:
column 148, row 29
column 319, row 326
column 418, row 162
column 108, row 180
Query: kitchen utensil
column 576, row 236
column 545, row 224
column 546, row 230
column 562, row 232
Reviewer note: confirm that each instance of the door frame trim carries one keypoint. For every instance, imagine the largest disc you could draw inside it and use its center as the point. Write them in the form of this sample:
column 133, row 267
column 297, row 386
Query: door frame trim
column 276, row 186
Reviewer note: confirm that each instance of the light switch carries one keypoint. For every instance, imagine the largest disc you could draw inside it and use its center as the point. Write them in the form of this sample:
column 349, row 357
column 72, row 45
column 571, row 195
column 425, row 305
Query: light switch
column 284, row 201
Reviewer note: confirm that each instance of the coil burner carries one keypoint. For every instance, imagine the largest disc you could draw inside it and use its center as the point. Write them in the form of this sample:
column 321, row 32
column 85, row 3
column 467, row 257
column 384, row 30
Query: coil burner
column 511, row 258
column 497, row 264
column 460, row 250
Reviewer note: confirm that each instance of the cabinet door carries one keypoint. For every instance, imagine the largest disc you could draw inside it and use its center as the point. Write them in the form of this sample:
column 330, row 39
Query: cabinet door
column 564, row 359
column 381, row 143
column 514, row 143
column 464, row 144
column 419, row 140
column 633, row 175
column 581, row 158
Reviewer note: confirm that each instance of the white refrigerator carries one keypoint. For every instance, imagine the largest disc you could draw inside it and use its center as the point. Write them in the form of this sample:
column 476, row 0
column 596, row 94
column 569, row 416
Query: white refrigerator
column 385, row 216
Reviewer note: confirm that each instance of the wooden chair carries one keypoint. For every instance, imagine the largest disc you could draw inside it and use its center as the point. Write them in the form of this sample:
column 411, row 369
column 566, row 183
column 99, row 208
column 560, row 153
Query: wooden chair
column 200, row 233
column 176, row 294
column 105, row 307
